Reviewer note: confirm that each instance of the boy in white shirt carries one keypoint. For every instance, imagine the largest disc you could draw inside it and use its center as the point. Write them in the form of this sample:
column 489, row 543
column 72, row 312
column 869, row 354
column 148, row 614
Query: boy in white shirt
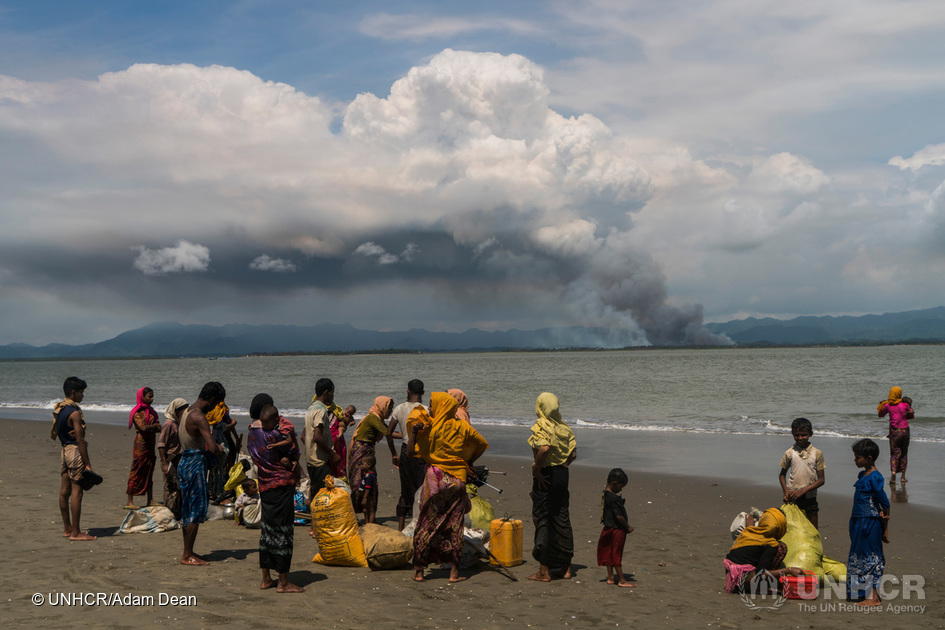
column 802, row 470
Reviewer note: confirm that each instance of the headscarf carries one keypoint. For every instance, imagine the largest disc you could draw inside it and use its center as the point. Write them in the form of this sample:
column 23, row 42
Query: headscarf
column 381, row 408
column 256, row 407
column 550, row 430
column 771, row 527
column 895, row 397
column 444, row 442
column 462, row 412
column 218, row 413
column 151, row 413
column 59, row 406
column 171, row 412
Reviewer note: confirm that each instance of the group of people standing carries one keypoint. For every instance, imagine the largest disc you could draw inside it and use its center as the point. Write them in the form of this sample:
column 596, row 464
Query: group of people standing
column 758, row 547
column 439, row 447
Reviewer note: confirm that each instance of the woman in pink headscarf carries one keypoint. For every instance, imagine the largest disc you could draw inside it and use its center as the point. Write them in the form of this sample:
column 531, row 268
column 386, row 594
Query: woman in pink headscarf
column 369, row 431
column 900, row 412
column 462, row 411
column 145, row 420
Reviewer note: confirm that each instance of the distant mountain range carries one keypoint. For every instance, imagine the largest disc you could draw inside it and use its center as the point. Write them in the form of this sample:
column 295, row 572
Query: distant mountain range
column 927, row 325
column 173, row 339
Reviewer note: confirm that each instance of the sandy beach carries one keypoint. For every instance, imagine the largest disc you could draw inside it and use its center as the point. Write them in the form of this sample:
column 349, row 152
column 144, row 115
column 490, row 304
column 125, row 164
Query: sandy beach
column 676, row 554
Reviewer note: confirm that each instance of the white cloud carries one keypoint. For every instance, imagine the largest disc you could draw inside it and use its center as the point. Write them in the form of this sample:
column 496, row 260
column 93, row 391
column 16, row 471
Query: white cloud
column 931, row 155
column 267, row 263
column 787, row 173
column 185, row 257
column 373, row 250
column 731, row 72
column 473, row 145
column 570, row 239
column 419, row 28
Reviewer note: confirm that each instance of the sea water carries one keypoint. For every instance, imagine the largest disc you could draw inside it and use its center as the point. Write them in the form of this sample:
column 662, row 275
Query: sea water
column 689, row 411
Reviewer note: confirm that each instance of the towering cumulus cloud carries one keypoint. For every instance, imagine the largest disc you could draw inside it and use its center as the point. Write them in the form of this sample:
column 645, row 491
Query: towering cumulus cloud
column 538, row 204
column 462, row 177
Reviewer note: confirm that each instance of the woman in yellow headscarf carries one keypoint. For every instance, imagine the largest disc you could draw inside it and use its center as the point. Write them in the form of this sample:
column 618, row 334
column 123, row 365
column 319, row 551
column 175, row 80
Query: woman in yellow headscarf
column 758, row 548
column 900, row 412
column 450, row 447
column 553, row 448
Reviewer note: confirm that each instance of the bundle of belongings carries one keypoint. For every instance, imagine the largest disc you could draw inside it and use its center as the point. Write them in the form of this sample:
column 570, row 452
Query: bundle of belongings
column 148, row 520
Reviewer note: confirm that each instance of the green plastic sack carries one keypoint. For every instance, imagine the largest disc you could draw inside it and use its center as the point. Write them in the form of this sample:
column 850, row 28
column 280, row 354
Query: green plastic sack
column 481, row 513
column 805, row 549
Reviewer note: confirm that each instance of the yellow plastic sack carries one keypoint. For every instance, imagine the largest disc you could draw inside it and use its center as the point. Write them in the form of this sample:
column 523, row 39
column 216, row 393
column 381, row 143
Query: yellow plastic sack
column 386, row 548
column 835, row 569
column 336, row 528
column 236, row 478
column 805, row 549
column 481, row 513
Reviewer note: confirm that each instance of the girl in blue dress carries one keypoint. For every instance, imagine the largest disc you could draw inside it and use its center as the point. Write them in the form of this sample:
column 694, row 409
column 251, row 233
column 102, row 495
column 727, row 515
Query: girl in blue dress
column 867, row 527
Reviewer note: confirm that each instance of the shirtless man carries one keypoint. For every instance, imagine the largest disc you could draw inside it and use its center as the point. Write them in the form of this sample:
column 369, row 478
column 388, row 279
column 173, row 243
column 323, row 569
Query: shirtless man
column 412, row 469
column 69, row 428
column 197, row 443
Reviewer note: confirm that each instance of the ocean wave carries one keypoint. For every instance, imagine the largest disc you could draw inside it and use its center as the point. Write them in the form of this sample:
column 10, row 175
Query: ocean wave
column 116, row 413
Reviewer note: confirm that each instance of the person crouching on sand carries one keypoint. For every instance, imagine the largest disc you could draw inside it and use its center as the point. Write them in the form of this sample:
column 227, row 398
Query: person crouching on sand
column 757, row 549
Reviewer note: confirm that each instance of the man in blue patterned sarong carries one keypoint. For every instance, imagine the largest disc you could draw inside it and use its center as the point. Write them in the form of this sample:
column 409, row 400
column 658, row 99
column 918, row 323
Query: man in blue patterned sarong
column 197, row 445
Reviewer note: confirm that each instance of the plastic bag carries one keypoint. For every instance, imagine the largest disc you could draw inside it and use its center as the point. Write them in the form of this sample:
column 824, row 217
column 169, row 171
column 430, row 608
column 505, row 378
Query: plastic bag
column 481, row 514
column 386, row 548
column 251, row 515
column 336, row 528
column 148, row 520
column 805, row 549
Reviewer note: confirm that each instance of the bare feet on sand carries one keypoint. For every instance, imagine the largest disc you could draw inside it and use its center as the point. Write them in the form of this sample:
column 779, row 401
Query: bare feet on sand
column 458, row 578
column 290, row 588
column 418, row 576
column 194, row 561
column 540, row 577
column 626, row 584
column 266, row 583
column 870, row 602
column 82, row 536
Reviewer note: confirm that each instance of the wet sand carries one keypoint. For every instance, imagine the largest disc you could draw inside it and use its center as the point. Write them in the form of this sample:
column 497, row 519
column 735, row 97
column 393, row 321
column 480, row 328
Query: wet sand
column 676, row 554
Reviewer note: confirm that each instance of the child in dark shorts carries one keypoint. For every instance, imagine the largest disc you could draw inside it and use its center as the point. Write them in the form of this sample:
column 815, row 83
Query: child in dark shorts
column 802, row 470
column 614, row 534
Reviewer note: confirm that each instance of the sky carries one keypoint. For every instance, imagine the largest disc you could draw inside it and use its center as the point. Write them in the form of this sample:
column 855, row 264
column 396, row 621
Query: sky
column 642, row 166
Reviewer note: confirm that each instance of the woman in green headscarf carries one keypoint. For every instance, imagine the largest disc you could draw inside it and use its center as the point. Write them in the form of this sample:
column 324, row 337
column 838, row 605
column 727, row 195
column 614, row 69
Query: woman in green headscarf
column 553, row 448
